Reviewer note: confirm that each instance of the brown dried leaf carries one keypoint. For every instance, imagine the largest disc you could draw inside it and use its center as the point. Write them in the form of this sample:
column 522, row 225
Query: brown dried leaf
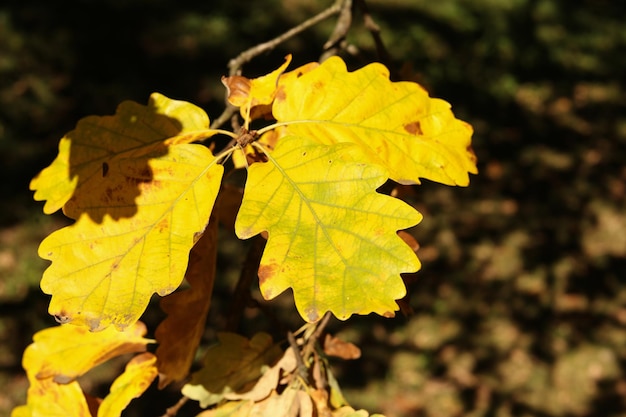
column 334, row 346
column 180, row 333
column 269, row 381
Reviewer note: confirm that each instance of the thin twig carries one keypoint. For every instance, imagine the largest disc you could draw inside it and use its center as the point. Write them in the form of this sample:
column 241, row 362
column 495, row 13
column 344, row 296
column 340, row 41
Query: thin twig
column 319, row 329
column 173, row 410
column 335, row 40
column 374, row 29
column 227, row 114
column 235, row 64
column 303, row 371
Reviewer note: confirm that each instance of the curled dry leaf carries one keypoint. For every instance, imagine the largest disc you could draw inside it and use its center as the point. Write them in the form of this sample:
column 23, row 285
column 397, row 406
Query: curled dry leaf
column 333, row 346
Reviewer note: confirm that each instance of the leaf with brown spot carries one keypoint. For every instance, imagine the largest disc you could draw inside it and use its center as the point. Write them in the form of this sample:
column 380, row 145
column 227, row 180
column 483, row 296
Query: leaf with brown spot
column 59, row 355
column 331, row 237
column 134, row 225
column 66, row 352
column 100, row 144
column 396, row 123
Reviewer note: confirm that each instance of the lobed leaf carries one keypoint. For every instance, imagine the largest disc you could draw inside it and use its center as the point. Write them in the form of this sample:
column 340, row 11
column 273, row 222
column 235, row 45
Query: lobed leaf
column 98, row 143
column 332, row 237
column 396, row 123
column 104, row 274
column 142, row 198
column 59, row 355
column 66, row 352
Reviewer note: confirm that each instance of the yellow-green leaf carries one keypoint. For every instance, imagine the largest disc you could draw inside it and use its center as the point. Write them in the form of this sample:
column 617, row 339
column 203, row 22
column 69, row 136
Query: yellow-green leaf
column 233, row 365
column 332, row 237
column 137, row 377
column 141, row 195
column 105, row 273
column 99, row 145
column 397, row 123
column 66, row 352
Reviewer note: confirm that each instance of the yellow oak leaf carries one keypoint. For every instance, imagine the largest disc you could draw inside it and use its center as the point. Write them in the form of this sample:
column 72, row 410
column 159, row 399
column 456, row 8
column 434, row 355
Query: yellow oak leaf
column 332, row 237
column 180, row 332
column 59, row 355
column 50, row 399
column 141, row 195
column 105, row 273
column 396, row 123
column 137, row 377
column 65, row 352
column 99, row 146
column 232, row 365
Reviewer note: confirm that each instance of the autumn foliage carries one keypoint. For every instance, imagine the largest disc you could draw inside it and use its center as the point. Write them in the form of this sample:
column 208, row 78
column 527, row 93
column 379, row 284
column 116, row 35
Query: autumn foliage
column 145, row 190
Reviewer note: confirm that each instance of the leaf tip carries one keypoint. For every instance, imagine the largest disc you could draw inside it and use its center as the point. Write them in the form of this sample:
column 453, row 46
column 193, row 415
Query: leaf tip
column 62, row 318
column 389, row 314
column 312, row 315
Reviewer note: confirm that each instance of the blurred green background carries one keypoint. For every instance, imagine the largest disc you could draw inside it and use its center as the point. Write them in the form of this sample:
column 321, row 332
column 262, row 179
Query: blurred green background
column 520, row 306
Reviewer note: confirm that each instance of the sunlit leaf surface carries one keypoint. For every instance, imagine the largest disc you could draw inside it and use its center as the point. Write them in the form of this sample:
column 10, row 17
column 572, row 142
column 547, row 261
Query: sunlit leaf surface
column 397, row 123
column 141, row 197
column 332, row 237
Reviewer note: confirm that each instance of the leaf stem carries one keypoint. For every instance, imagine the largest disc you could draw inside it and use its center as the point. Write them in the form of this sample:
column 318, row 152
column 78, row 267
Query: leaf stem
column 319, row 329
column 225, row 132
column 374, row 29
column 337, row 38
column 303, row 370
column 173, row 410
column 235, row 64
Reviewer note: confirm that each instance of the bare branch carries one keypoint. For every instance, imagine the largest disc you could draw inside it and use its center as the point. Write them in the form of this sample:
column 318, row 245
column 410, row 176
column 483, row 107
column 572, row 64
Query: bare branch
column 173, row 410
column 374, row 29
column 334, row 43
column 235, row 64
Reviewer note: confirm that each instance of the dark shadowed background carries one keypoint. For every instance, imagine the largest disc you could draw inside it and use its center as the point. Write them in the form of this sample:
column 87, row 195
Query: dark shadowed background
column 520, row 307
